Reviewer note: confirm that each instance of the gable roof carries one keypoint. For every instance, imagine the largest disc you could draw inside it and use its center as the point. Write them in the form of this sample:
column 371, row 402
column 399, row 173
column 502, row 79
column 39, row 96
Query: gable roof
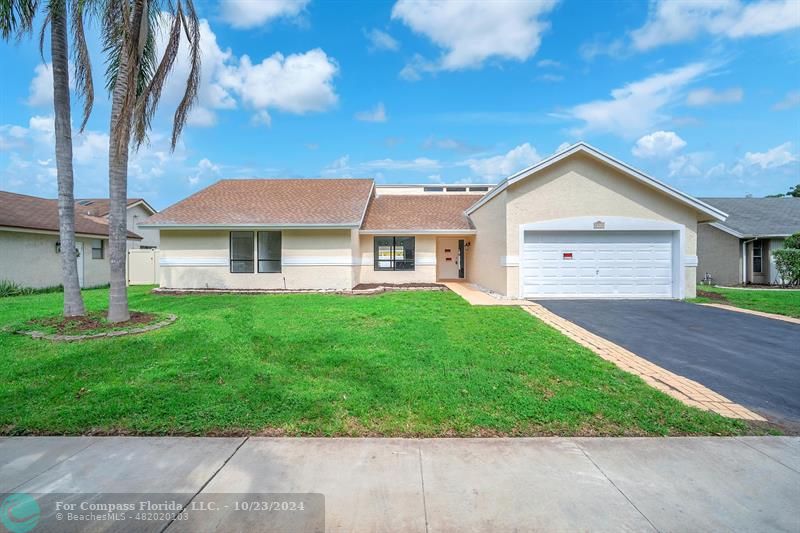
column 439, row 213
column 100, row 207
column 31, row 212
column 271, row 202
column 582, row 147
column 758, row 217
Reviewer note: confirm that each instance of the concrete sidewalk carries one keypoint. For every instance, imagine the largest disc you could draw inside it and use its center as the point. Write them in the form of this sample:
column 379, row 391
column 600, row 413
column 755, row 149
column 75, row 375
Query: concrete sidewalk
column 564, row 484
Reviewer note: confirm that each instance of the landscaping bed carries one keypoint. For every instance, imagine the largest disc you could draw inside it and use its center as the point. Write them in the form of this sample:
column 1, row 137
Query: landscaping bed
column 407, row 363
column 94, row 322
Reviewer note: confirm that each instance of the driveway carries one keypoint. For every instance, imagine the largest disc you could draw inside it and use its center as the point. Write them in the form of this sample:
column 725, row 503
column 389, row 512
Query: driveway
column 752, row 360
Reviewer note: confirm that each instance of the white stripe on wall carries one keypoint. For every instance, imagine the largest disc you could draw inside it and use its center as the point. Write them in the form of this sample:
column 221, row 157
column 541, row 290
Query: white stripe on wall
column 193, row 261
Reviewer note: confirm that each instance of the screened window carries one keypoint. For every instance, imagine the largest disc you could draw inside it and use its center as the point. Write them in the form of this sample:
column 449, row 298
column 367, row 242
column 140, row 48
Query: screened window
column 394, row 253
column 242, row 252
column 269, row 251
column 97, row 248
column 758, row 252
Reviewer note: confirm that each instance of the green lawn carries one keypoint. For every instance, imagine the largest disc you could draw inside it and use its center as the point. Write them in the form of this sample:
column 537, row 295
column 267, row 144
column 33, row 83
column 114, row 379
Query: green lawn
column 396, row 364
column 767, row 300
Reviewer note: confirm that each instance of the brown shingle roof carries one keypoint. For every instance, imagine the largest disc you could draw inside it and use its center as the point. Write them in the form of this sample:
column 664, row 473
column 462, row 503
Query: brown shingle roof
column 283, row 202
column 32, row 212
column 99, row 207
column 419, row 212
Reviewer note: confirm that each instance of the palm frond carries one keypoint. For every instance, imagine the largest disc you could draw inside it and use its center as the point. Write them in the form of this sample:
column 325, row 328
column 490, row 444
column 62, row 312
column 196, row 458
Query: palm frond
column 192, row 26
column 16, row 17
column 82, row 63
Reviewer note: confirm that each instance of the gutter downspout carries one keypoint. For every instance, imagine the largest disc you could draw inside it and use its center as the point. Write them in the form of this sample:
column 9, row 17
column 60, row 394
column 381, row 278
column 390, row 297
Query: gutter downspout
column 744, row 259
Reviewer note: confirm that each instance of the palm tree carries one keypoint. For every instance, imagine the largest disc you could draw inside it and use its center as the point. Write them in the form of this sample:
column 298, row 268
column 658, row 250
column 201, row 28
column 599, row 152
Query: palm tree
column 135, row 82
column 16, row 18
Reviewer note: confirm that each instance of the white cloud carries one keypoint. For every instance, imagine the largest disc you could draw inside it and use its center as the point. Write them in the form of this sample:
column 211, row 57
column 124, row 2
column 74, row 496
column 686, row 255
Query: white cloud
column 261, row 118
column 40, row 91
column 676, row 21
column 343, row 167
column 297, row 83
column 90, row 146
column 501, row 166
column 253, row 13
column 638, row 106
column 380, row 40
column 774, row 157
column 791, row 100
column 708, row 96
column 687, row 165
column 553, row 78
column 658, row 144
column 563, row 146
column 548, row 63
column 374, row 115
column 472, row 31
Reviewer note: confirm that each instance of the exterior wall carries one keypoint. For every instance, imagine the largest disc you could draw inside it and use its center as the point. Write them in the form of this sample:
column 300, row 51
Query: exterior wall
column 487, row 254
column 576, row 187
column 312, row 259
column 719, row 254
column 774, row 276
column 150, row 237
column 30, row 260
column 425, row 258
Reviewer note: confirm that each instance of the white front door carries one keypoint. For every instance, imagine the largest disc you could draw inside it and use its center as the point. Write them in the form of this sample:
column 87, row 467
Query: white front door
column 583, row 264
column 448, row 257
column 79, row 259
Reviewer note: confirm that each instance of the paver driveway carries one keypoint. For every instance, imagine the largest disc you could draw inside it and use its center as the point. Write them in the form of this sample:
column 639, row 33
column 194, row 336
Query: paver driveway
column 752, row 360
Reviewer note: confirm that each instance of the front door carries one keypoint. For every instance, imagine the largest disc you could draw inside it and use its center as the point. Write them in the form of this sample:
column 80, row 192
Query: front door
column 450, row 259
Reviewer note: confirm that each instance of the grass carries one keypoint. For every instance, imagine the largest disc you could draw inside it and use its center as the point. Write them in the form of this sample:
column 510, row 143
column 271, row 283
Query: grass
column 396, row 364
column 768, row 300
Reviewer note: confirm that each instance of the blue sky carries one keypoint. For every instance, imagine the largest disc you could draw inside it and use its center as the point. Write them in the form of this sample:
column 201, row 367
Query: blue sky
column 704, row 96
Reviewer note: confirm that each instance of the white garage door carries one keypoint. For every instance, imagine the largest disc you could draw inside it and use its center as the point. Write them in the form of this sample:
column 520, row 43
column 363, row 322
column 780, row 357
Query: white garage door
column 584, row 264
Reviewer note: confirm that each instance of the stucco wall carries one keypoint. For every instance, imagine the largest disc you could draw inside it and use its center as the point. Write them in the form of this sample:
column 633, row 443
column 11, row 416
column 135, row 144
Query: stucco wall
column 30, row 260
column 774, row 275
column 137, row 215
column 485, row 256
column 719, row 254
column 424, row 272
column 312, row 259
column 581, row 186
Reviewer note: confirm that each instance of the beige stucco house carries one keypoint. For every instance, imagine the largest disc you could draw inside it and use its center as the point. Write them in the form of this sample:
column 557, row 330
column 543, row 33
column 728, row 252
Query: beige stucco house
column 137, row 211
column 30, row 246
column 577, row 224
column 739, row 250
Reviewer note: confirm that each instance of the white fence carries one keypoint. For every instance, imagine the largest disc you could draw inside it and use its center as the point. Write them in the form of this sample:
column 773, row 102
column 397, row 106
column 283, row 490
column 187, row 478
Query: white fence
column 143, row 267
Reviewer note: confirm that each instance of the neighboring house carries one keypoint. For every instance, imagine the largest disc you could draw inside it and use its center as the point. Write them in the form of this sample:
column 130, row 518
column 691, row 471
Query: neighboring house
column 739, row 250
column 578, row 224
column 138, row 210
column 29, row 244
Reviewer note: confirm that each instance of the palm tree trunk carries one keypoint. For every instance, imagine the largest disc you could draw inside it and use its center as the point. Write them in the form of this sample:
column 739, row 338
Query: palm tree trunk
column 73, row 302
column 119, row 141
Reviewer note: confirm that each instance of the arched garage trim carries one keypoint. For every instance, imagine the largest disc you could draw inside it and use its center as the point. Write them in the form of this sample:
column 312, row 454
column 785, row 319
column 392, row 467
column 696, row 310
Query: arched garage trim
column 607, row 224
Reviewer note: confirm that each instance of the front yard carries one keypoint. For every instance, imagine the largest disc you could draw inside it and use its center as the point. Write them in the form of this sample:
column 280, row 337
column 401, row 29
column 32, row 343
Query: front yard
column 780, row 302
column 397, row 364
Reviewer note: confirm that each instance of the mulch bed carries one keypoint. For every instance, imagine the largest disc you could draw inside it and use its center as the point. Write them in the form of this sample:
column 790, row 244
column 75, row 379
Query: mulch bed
column 91, row 322
column 369, row 286
column 712, row 296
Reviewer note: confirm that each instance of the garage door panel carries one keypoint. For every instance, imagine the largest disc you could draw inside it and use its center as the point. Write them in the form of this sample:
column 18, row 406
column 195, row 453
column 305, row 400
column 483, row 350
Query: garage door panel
column 597, row 264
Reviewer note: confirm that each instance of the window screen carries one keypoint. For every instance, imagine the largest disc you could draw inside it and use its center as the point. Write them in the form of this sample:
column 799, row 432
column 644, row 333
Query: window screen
column 242, row 251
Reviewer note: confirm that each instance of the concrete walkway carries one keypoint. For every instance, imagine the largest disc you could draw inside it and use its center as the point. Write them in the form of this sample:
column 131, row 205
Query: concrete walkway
column 551, row 484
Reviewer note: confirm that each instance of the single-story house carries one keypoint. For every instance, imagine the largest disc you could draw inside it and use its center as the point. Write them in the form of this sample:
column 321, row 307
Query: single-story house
column 577, row 224
column 30, row 246
column 739, row 250
column 137, row 210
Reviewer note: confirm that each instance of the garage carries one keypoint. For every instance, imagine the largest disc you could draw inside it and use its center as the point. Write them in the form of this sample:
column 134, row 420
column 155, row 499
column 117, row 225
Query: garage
column 598, row 264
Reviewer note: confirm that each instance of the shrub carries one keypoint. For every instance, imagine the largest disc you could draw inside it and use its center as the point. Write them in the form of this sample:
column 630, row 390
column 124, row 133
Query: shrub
column 787, row 261
column 9, row 288
column 792, row 241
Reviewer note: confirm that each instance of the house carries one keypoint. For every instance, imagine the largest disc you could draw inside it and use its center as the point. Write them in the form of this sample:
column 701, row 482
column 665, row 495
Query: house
column 29, row 243
column 577, row 224
column 739, row 250
column 137, row 209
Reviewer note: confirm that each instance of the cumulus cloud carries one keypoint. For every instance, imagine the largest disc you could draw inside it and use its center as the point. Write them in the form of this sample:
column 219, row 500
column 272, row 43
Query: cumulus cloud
column 469, row 32
column 672, row 22
column 707, row 96
column 638, row 106
column 500, row 166
column 380, row 40
column 343, row 167
column 658, row 144
column 790, row 101
column 774, row 157
column 373, row 115
column 245, row 14
column 40, row 91
column 688, row 165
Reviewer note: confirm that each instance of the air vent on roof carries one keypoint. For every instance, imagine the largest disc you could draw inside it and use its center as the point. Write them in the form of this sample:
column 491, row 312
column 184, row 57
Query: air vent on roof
column 85, row 202
column 434, row 189
column 456, row 189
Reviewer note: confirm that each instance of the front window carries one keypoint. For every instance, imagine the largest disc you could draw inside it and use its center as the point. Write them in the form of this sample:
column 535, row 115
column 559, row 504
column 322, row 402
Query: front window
column 269, row 251
column 394, row 253
column 242, row 252
column 758, row 251
column 97, row 248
